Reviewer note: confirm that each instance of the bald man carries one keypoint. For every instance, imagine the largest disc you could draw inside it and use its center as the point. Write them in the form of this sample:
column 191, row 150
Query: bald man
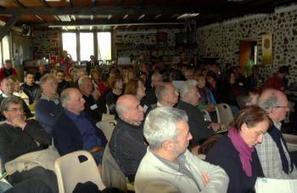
column 127, row 144
column 273, row 152
column 74, row 130
column 167, row 95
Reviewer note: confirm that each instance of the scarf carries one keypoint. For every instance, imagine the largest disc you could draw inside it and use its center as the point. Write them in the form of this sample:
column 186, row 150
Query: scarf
column 245, row 152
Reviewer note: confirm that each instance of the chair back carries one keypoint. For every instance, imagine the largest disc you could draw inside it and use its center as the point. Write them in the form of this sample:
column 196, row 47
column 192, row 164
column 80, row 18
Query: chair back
column 224, row 114
column 76, row 167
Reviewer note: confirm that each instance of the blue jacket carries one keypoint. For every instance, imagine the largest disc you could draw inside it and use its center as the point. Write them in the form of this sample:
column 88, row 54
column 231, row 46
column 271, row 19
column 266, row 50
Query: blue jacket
column 67, row 137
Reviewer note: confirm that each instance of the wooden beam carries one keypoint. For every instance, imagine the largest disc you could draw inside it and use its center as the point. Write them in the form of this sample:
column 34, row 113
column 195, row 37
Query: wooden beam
column 5, row 29
column 113, row 22
column 102, row 10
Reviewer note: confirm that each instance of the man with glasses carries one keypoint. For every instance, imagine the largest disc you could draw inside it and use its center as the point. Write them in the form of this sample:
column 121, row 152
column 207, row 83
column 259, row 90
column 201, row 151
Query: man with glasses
column 19, row 136
column 273, row 152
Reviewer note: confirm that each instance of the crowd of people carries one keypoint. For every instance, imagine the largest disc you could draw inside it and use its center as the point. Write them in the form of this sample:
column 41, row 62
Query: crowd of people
column 160, row 126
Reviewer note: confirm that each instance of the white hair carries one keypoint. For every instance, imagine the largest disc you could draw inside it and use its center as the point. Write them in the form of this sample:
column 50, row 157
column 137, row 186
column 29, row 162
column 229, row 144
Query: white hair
column 160, row 125
column 186, row 87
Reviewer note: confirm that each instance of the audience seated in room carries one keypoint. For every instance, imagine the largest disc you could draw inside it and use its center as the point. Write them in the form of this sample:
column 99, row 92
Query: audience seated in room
column 273, row 152
column 167, row 165
column 75, row 130
column 278, row 80
column 127, row 144
column 235, row 152
column 48, row 107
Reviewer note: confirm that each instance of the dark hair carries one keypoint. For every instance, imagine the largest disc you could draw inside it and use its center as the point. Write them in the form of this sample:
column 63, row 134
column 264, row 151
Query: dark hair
column 284, row 69
column 250, row 116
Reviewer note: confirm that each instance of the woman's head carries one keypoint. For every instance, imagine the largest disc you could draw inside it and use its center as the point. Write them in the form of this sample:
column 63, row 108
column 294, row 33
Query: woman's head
column 135, row 87
column 251, row 123
column 115, row 82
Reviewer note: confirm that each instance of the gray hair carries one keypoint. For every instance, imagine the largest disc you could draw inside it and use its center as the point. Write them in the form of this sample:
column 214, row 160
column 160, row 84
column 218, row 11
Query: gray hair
column 45, row 78
column 160, row 125
column 186, row 87
column 83, row 79
column 65, row 96
column 6, row 102
column 268, row 103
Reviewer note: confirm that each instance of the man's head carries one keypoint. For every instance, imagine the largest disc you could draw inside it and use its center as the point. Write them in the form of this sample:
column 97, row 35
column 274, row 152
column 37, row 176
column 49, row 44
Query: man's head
column 29, row 78
column 49, row 85
column 85, row 85
column 166, row 130
column 283, row 71
column 189, row 92
column 275, row 103
column 8, row 64
column 7, row 86
column 156, row 79
column 72, row 100
column 12, row 108
column 167, row 94
column 129, row 109
column 60, row 76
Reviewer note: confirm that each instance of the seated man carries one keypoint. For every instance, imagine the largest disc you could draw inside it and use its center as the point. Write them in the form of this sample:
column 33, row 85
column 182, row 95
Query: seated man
column 167, row 165
column 199, row 128
column 167, row 95
column 31, row 88
column 48, row 107
column 7, row 88
column 75, row 130
column 19, row 137
column 93, row 105
column 273, row 152
column 127, row 144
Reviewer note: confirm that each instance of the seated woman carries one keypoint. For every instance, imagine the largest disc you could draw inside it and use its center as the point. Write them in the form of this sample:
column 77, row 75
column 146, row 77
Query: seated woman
column 136, row 87
column 236, row 153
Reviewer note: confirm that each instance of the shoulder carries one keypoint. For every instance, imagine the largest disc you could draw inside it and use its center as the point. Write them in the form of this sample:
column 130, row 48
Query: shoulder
column 222, row 149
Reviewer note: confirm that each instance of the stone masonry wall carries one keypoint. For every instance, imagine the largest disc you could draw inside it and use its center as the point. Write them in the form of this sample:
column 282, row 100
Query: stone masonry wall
column 222, row 40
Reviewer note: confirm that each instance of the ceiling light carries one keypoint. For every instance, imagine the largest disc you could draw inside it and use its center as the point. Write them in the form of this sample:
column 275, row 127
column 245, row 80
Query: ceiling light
column 187, row 15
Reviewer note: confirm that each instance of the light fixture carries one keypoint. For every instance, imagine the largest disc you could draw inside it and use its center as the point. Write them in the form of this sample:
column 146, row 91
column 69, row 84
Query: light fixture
column 187, row 15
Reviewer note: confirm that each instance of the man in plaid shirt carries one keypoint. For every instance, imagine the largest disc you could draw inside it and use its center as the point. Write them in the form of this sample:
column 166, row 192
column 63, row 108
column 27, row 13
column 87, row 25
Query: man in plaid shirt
column 273, row 152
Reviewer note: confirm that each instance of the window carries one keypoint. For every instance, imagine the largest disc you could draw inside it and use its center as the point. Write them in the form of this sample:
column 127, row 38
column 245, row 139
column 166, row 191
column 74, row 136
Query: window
column 69, row 44
column 104, row 45
column 6, row 48
column 86, row 41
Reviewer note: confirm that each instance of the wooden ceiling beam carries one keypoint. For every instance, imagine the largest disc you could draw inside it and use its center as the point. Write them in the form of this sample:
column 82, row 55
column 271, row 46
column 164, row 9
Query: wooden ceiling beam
column 100, row 10
column 112, row 22
column 5, row 29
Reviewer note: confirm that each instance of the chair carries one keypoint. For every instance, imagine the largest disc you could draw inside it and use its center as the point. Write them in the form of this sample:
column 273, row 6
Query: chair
column 224, row 114
column 291, row 142
column 112, row 175
column 107, row 124
column 75, row 167
column 206, row 115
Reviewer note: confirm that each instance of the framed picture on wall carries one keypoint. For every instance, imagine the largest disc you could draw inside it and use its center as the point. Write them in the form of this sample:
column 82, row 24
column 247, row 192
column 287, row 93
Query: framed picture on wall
column 267, row 49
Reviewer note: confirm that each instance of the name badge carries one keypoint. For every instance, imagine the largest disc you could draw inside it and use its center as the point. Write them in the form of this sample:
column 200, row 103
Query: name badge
column 93, row 107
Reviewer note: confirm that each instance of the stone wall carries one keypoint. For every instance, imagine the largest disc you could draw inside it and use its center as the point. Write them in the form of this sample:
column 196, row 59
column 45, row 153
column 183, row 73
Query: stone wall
column 222, row 40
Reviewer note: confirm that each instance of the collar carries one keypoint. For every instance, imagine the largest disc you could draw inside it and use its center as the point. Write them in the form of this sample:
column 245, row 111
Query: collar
column 73, row 116
column 55, row 98
column 278, row 125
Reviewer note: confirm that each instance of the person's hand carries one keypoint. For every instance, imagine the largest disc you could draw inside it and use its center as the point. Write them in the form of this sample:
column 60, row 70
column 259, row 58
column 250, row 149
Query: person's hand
column 215, row 126
column 205, row 178
column 210, row 108
column 96, row 94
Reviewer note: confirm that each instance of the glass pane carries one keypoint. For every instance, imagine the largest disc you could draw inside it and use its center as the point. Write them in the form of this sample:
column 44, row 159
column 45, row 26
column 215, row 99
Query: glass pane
column 6, row 48
column 69, row 44
column 104, row 45
column 1, row 54
column 86, row 45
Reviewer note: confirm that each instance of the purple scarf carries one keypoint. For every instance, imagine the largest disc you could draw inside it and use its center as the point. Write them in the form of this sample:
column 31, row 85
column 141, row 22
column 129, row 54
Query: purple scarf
column 245, row 152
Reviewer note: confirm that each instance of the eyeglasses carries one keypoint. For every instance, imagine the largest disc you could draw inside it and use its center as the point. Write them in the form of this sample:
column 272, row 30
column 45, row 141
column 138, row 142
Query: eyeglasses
column 281, row 107
column 15, row 110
